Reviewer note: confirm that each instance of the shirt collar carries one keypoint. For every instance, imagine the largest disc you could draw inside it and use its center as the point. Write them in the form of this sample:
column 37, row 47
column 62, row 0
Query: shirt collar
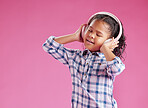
column 86, row 51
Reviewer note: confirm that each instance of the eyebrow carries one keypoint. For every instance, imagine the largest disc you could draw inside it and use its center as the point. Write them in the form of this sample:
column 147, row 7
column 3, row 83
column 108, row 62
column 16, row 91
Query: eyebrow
column 96, row 30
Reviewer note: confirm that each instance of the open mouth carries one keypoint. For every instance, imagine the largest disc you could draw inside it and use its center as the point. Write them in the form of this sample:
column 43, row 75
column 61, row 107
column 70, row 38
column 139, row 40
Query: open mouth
column 89, row 41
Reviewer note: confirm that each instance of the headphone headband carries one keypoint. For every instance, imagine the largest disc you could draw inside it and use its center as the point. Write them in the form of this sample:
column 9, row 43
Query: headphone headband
column 114, row 17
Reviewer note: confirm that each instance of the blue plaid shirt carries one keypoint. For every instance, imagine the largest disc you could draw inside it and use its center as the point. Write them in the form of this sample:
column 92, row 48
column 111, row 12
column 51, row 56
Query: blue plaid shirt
column 92, row 76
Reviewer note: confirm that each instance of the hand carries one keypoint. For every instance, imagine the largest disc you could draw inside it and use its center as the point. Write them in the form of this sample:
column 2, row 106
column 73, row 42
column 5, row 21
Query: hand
column 77, row 34
column 111, row 44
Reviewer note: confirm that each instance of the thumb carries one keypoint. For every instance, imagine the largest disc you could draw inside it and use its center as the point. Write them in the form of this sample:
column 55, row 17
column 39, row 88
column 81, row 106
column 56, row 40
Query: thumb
column 113, row 40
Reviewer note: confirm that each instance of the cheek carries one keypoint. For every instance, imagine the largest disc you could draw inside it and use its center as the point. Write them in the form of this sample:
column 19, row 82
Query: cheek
column 99, row 42
column 85, row 35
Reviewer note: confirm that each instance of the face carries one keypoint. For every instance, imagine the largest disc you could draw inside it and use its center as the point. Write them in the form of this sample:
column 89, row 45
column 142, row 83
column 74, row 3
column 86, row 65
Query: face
column 96, row 34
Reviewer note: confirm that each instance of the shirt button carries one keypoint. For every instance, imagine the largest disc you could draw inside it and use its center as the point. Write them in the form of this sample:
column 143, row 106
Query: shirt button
column 87, row 63
column 99, row 63
column 85, row 74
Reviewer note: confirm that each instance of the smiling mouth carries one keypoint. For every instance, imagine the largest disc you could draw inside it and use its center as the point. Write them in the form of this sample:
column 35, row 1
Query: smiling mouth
column 89, row 41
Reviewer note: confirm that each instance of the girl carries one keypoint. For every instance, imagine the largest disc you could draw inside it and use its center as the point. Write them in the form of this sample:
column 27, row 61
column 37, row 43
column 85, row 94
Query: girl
column 94, row 69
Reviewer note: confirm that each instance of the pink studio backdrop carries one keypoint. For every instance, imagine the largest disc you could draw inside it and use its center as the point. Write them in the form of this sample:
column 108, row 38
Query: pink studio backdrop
column 31, row 78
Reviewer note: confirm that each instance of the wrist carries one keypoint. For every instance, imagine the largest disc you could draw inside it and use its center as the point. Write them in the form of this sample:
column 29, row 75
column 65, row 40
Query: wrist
column 109, row 55
column 74, row 37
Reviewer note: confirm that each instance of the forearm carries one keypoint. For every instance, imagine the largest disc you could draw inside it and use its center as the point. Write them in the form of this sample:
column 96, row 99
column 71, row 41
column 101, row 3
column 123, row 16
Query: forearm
column 109, row 55
column 65, row 39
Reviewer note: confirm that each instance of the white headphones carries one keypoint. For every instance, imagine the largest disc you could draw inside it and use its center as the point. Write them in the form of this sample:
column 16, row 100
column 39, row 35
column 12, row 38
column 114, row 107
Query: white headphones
column 114, row 17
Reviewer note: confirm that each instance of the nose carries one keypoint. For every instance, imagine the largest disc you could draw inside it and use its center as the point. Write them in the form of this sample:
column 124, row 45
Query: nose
column 91, row 35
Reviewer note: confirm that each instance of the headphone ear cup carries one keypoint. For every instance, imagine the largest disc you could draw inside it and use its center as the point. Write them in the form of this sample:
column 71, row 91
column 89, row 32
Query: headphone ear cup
column 108, row 40
column 85, row 26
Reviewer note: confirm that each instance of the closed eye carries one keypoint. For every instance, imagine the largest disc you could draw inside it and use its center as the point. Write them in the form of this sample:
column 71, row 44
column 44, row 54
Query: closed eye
column 98, row 35
column 91, row 31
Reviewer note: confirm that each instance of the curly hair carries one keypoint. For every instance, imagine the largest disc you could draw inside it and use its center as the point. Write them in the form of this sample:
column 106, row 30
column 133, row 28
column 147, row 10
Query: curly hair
column 114, row 28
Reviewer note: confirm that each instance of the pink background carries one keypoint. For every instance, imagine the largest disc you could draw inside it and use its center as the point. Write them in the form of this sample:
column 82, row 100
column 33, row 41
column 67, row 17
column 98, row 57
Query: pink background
column 31, row 78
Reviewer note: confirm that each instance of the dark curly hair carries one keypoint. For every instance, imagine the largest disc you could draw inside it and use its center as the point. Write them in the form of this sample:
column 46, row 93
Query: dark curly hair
column 114, row 28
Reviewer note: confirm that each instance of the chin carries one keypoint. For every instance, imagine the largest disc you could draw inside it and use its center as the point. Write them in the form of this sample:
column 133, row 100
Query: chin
column 92, row 49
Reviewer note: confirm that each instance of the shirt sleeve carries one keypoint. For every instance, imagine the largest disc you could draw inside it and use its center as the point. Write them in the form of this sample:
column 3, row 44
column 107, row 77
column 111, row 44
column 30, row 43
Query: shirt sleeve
column 57, row 50
column 115, row 67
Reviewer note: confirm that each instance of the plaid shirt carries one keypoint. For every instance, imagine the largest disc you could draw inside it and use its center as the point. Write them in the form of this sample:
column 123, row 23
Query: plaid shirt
column 92, row 76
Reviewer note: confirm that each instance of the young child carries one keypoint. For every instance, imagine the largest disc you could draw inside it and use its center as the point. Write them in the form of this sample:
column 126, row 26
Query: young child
column 94, row 69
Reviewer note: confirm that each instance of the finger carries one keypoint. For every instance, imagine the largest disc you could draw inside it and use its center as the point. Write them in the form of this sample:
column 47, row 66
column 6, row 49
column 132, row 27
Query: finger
column 115, row 47
column 115, row 43
column 112, row 49
column 82, row 26
column 112, row 41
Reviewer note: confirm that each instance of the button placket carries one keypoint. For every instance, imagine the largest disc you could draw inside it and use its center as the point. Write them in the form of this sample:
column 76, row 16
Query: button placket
column 84, row 76
column 86, row 69
column 88, row 62
column 88, row 59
